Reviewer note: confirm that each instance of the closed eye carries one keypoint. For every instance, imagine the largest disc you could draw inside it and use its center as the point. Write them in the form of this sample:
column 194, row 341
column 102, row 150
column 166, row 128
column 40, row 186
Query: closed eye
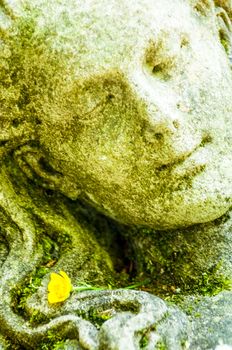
column 88, row 117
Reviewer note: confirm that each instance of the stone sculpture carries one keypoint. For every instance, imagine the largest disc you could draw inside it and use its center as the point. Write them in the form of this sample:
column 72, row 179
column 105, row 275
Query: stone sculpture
column 116, row 138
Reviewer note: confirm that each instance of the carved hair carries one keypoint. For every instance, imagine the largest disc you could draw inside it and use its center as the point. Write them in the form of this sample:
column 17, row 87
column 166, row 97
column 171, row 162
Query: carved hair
column 204, row 5
column 30, row 73
column 24, row 87
column 226, row 5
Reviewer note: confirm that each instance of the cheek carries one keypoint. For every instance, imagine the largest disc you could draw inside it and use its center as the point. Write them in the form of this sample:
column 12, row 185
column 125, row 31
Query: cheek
column 205, row 88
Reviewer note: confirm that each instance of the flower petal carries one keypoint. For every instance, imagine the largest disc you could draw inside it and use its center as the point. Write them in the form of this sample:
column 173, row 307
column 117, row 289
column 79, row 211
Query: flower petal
column 59, row 287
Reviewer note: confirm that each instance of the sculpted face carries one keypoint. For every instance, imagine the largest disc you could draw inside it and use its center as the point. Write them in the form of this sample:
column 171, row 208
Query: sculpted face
column 144, row 127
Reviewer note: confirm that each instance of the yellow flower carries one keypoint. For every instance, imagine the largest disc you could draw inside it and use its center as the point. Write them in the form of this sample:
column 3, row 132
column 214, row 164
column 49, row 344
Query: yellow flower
column 59, row 287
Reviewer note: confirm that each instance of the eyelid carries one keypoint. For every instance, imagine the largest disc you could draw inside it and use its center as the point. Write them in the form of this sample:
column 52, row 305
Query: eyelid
column 99, row 107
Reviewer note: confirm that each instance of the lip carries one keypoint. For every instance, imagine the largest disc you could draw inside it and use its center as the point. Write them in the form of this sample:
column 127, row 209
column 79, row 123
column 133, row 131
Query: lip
column 194, row 163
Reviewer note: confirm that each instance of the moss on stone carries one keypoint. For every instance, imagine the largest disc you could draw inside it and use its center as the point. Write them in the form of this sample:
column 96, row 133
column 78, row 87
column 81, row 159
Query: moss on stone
column 22, row 293
column 53, row 341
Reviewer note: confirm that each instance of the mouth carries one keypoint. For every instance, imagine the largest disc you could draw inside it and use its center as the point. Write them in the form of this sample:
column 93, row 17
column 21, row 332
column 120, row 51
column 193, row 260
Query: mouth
column 192, row 164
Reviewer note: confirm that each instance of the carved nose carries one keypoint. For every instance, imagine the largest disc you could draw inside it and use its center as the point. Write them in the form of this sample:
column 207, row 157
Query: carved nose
column 164, row 126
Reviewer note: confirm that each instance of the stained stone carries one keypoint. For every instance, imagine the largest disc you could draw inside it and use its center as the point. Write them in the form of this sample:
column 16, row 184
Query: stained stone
column 116, row 167
column 213, row 324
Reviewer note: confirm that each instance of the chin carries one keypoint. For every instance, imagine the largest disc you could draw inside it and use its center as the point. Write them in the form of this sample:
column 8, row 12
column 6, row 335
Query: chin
column 190, row 209
column 180, row 210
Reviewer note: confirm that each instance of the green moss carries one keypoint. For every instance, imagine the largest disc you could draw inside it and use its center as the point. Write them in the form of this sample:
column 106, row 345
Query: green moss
column 210, row 284
column 144, row 341
column 33, row 282
column 51, row 251
column 174, row 265
column 29, row 70
column 224, row 41
column 206, row 283
column 53, row 341
column 37, row 318
column 60, row 345
column 64, row 239
column 99, row 317
column 161, row 346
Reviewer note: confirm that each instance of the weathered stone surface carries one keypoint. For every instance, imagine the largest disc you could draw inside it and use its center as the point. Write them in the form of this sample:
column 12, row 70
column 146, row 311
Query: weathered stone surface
column 113, row 110
column 212, row 321
column 197, row 258
column 164, row 163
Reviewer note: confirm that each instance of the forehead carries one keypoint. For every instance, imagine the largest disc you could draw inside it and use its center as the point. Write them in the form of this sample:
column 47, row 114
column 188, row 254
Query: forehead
column 106, row 33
